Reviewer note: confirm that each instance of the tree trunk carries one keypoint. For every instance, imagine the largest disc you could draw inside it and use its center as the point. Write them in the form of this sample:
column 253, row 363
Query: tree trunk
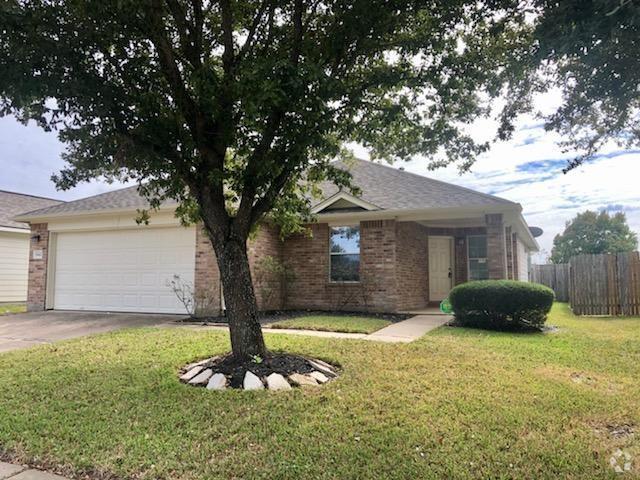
column 240, row 300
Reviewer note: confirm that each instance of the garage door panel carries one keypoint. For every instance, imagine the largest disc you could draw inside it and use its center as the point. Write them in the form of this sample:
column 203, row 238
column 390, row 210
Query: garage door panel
column 125, row 270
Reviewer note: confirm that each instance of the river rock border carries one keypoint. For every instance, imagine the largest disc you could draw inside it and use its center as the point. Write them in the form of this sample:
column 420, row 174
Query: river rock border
column 204, row 374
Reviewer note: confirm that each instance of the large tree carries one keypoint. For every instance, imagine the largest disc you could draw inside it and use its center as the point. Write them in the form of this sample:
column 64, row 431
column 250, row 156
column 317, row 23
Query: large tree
column 589, row 50
column 592, row 232
column 236, row 108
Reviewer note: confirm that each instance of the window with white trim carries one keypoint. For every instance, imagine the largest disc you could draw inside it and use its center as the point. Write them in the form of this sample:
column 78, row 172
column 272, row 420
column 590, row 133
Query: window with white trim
column 477, row 255
column 344, row 252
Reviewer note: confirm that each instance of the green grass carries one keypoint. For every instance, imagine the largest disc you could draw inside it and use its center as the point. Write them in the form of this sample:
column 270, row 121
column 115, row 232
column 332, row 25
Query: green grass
column 328, row 323
column 458, row 403
column 6, row 308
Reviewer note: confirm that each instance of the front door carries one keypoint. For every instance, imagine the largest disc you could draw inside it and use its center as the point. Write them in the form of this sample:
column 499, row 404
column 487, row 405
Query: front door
column 440, row 268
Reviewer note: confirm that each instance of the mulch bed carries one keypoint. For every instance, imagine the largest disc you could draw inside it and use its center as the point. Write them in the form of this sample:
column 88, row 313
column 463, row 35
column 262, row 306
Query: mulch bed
column 284, row 364
column 276, row 316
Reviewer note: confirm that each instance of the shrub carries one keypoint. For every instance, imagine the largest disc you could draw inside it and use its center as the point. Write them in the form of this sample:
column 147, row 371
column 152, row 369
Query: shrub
column 501, row 304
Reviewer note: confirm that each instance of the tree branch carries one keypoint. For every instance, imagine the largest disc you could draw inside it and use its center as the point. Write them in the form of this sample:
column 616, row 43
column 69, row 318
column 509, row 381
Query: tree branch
column 187, row 46
column 245, row 215
column 228, row 56
column 252, row 30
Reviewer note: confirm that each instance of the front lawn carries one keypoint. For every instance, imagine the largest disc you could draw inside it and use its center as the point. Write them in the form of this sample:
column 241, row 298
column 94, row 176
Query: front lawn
column 6, row 308
column 333, row 323
column 458, row 403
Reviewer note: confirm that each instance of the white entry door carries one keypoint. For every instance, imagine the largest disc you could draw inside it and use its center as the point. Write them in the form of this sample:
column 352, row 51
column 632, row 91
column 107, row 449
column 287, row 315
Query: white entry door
column 440, row 267
column 123, row 270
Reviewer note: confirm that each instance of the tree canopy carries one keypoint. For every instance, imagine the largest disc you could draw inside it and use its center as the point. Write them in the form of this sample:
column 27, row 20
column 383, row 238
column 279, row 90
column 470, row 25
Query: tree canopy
column 590, row 51
column 592, row 232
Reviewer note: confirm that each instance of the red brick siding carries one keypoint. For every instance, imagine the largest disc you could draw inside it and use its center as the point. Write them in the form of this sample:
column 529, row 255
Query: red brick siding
column 37, row 288
column 496, row 246
column 412, row 266
column 378, row 265
column 207, row 276
column 268, row 286
column 308, row 256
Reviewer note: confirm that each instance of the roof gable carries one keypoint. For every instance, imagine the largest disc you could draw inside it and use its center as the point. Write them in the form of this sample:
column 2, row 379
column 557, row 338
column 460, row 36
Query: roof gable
column 343, row 201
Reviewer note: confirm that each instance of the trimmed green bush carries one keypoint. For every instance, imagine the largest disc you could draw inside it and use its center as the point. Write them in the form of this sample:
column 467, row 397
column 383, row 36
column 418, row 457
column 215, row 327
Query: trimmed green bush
column 501, row 304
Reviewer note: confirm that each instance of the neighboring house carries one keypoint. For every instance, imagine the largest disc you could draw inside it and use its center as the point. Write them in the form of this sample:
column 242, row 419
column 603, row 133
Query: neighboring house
column 401, row 245
column 14, row 244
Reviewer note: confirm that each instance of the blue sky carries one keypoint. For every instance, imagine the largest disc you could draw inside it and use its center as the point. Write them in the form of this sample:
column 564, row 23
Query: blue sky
column 527, row 169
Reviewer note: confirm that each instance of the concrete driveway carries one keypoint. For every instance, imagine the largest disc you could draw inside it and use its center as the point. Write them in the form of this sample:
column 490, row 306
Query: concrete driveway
column 27, row 329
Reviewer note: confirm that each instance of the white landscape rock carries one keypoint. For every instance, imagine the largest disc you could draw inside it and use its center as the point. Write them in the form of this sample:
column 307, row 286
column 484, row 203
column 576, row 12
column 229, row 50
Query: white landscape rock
column 197, row 364
column 302, row 380
column 190, row 374
column 217, row 382
column 324, row 367
column 319, row 376
column 252, row 382
column 275, row 381
column 620, row 458
column 202, row 378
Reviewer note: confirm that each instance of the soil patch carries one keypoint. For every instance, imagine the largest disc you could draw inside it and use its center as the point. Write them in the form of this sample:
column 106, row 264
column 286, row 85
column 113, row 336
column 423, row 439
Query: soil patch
column 280, row 363
column 275, row 316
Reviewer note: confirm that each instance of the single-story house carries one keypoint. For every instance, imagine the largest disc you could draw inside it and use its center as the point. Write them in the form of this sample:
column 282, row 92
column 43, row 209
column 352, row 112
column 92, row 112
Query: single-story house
column 400, row 245
column 14, row 244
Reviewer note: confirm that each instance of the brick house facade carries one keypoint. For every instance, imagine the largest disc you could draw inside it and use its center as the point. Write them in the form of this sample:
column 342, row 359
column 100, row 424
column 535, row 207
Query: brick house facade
column 394, row 269
column 397, row 227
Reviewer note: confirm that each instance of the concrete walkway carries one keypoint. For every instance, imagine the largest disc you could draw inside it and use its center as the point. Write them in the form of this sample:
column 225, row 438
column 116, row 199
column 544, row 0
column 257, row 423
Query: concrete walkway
column 401, row 332
column 409, row 330
column 20, row 472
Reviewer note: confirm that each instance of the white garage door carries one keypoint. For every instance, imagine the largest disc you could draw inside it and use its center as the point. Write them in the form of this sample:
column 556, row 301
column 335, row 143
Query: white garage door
column 122, row 270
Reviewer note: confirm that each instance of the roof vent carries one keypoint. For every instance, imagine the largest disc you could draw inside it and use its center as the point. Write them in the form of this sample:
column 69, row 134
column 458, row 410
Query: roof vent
column 401, row 169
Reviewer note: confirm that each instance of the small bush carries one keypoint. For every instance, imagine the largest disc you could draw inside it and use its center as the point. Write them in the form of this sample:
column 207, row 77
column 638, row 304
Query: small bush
column 501, row 304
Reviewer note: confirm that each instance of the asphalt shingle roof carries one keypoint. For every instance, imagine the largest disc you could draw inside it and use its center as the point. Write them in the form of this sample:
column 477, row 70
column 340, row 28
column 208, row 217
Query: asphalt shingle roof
column 125, row 198
column 13, row 204
column 386, row 187
column 393, row 189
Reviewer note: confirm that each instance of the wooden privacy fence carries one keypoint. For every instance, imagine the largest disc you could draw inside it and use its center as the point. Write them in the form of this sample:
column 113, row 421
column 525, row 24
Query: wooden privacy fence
column 554, row 276
column 605, row 284
column 595, row 284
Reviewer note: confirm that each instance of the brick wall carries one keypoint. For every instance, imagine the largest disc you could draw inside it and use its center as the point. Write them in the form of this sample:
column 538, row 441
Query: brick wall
column 268, row 287
column 308, row 256
column 412, row 266
column 496, row 247
column 268, row 284
column 37, row 288
column 207, row 276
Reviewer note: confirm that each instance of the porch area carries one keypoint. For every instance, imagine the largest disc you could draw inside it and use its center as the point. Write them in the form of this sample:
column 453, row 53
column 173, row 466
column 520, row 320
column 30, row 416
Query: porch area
column 406, row 265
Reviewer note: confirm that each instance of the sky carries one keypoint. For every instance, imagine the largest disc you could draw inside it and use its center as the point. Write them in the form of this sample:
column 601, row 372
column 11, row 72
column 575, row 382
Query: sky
column 526, row 169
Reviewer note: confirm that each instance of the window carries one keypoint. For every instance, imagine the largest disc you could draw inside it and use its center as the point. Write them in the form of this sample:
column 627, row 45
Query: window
column 345, row 254
column 477, row 252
